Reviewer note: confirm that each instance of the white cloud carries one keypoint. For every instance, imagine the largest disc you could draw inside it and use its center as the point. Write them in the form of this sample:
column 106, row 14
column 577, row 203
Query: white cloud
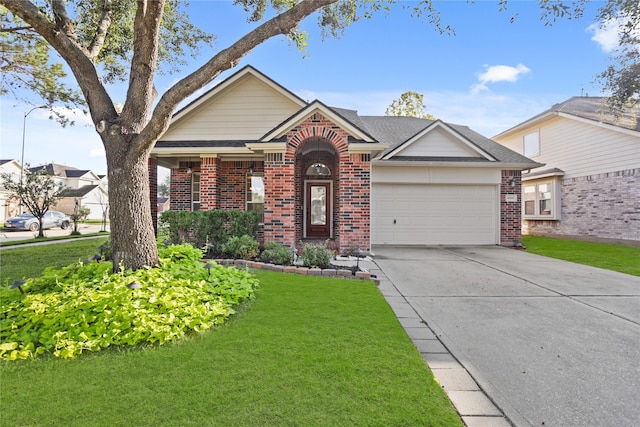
column 97, row 152
column 498, row 73
column 606, row 35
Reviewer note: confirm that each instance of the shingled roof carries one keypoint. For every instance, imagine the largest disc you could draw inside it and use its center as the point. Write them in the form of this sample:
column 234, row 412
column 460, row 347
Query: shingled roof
column 592, row 108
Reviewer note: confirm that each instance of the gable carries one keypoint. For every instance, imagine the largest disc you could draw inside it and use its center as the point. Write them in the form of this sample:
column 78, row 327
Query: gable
column 245, row 109
column 438, row 141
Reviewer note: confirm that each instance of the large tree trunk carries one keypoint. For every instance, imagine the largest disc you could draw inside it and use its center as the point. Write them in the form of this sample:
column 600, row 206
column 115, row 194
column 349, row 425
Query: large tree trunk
column 132, row 234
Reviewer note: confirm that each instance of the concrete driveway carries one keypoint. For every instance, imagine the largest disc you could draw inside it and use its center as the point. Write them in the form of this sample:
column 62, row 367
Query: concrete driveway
column 549, row 342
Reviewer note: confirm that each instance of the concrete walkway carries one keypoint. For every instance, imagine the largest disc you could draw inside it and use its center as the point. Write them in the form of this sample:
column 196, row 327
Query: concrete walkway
column 519, row 339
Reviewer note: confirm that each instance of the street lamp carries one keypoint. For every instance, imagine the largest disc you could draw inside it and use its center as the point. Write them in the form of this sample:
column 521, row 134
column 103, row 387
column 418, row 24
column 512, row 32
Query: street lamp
column 24, row 128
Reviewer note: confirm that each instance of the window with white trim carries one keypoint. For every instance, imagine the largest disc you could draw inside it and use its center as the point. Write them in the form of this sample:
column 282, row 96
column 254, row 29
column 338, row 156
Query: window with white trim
column 531, row 144
column 540, row 200
column 255, row 193
column 195, row 191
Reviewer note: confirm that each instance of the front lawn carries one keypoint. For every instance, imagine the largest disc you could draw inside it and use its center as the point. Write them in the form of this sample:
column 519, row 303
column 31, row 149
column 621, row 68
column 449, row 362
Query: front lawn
column 307, row 351
column 625, row 259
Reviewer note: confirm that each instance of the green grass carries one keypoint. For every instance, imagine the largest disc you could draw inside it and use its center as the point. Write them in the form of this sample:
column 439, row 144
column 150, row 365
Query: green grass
column 624, row 259
column 24, row 262
column 49, row 239
column 308, row 351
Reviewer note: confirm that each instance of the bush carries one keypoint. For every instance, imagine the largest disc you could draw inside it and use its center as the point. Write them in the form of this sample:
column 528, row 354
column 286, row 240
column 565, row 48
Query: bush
column 316, row 255
column 276, row 253
column 86, row 307
column 244, row 247
column 209, row 229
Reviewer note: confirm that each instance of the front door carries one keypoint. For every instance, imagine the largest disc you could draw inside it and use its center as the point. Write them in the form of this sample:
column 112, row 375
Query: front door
column 318, row 209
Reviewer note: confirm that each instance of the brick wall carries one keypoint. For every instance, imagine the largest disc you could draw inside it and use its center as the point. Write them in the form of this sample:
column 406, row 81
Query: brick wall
column 284, row 184
column 208, row 183
column 180, row 193
column 511, row 211
column 355, row 193
column 596, row 207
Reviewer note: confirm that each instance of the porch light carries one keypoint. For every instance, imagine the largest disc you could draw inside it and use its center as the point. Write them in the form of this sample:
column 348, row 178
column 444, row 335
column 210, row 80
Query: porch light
column 208, row 266
column 18, row 284
column 134, row 285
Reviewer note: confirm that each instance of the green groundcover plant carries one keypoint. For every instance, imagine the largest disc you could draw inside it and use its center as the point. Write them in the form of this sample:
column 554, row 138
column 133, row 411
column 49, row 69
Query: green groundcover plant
column 86, row 307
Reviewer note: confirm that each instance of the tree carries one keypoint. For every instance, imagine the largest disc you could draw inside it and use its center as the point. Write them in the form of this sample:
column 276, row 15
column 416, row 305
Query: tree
column 622, row 77
column 410, row 104
column 164, row 187
column 38, row 192
column 103, row 36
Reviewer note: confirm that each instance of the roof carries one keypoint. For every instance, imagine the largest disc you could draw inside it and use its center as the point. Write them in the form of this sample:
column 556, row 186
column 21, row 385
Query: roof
column 79, row 192
column 593, row 108
column 387, row 132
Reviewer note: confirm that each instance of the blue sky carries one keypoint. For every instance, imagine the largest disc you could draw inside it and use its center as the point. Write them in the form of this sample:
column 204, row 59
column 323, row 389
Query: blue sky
column 490, row 76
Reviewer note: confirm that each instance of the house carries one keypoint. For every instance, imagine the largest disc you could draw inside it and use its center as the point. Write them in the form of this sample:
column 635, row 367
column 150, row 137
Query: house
column 319, row 173
column 589, row 188
column 164, row 204
column 9, row 203
column 82, row 186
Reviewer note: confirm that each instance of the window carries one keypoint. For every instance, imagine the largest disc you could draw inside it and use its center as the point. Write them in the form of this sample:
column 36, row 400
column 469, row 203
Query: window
column 540, row 200
column 531, row 144
column 195, row 191
column 255, row 193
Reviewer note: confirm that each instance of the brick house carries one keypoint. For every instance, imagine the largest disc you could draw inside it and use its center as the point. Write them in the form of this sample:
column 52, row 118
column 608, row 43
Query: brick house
column 589, row 188
column 321, row 173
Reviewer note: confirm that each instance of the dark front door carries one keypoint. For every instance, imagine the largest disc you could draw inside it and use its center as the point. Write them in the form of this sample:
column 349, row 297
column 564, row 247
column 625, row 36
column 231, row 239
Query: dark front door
column 318, row 209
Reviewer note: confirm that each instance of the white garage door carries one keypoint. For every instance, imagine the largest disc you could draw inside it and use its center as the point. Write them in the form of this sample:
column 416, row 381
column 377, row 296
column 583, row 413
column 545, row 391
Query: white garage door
column 427, row 214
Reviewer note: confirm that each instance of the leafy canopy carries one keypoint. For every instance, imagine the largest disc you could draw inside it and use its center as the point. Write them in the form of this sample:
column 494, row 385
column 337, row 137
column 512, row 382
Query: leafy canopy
column 410, row 104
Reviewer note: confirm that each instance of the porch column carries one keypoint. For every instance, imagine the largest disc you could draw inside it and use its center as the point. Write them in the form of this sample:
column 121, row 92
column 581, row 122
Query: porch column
column 208, row 183
column 279, row 200
column 511, row 208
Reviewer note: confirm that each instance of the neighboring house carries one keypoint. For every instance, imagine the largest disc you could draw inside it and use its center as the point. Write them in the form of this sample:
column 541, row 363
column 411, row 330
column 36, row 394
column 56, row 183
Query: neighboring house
column 590, row 186
column 82, row 186
column 318, row 173
column 9, row 203
column 164, row 204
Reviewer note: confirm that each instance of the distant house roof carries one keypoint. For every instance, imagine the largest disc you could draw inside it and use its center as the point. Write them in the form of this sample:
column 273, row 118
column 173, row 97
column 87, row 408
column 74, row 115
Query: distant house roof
column 2, row 162
column 593, row 108
column 162, row 200
column 79, row 192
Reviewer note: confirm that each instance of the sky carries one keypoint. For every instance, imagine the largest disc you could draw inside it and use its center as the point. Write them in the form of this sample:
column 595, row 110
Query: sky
column 498, row 70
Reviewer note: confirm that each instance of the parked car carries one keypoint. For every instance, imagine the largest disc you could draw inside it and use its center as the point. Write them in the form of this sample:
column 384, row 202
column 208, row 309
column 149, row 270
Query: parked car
column 27, row 221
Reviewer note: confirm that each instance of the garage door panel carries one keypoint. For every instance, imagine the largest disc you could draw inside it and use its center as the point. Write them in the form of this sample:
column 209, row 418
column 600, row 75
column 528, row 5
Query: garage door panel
column 434, row 214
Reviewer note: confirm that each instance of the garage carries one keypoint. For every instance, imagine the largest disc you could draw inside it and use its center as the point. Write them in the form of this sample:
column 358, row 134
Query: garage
column 434, row 214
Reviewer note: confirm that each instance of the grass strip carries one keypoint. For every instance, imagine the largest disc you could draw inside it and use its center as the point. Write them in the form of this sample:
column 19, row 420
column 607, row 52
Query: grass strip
column 309, row 351
column 624, row 259
column 18, row 263
column 52, row 239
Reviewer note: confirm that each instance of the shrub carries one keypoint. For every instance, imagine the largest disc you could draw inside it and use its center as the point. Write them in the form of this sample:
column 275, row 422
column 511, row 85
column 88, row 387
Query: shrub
column 244, row 247
column 276, row 253
column 86, row 307
column 209, row 229
column 316, row 255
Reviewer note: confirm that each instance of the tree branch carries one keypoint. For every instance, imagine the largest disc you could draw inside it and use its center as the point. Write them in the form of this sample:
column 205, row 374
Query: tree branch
column 63, row 22
column 101, row 31
column 98, row 100
column 143, row 64
column 228, row 58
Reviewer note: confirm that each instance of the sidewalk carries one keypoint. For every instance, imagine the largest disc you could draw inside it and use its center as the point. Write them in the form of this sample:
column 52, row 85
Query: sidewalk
column 473, row 405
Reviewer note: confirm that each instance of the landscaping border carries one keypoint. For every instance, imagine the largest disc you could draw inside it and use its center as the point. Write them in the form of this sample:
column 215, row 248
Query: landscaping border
column 328, row 272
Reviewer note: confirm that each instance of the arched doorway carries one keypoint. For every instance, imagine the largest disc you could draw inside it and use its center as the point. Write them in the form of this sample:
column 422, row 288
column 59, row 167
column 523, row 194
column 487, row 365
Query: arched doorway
column 318, row 165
